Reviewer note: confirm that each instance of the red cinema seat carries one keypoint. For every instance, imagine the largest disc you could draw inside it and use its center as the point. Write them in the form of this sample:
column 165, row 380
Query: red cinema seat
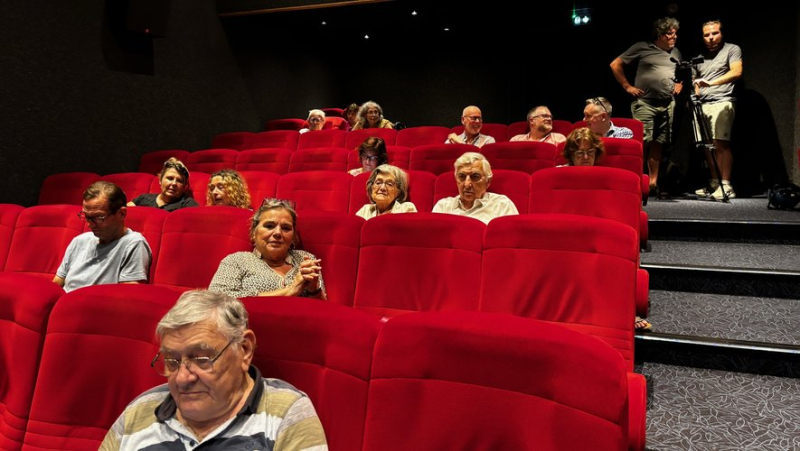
column 66, row 188
column 527, row 157
column 420, row 136
column 334, row 238
column 25, row 305
column 577, row 270
column 324, row 350
column 285, row 139
column 132, row 183
column 323, row 138
column 106, row 330
column 195, row 240
column 317, row 190
column 284, row 124
column 335, row 123
column 333, row 112
column 8, row 221
column 518, row 128
column 561, row 126
column 55, row 225
column 358, row 192
column 152, row 162
column 626, row 154
column 233, row 140
column 319, row 159
column 399, row 156
column 438, row 158
column 211, row 160
column 499, row 382
column 432, row 258
column 150, row 223
column 421, row 186
column 497, row 131
column 270, row 160
column 356, row 137
column 262, row 185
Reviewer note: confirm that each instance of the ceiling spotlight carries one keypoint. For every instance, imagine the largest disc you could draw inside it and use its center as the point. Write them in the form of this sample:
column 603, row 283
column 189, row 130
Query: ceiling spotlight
column 413, row 13
column 366, row 36
column 446, row 29
column 324, row 23
column 585, row 19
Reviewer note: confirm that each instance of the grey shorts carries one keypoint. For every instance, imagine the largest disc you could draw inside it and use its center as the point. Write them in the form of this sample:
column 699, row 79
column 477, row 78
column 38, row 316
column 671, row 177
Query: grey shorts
column 656, row 117
column 720, row 116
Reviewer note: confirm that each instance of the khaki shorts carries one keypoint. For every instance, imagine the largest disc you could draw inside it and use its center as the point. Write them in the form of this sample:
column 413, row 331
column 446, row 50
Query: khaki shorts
column 720, row 116
column 656, row 117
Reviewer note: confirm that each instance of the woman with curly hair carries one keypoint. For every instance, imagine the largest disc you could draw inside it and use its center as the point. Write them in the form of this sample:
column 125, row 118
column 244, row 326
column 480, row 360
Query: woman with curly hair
column 227, row 187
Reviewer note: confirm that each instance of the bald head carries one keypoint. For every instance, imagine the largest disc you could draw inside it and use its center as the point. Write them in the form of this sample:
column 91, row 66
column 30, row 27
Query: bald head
column 472, row 119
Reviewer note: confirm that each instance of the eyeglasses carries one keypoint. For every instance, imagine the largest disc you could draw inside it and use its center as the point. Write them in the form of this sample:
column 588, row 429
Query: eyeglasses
column 585, row 153
column 474, row 177
column 598, row 102
column 93, row 219
column 166, row 367
column 474, row 118
column 370, row 158
column 275, row 202
column 316, row 119
column 543, row 116
column 387, row 183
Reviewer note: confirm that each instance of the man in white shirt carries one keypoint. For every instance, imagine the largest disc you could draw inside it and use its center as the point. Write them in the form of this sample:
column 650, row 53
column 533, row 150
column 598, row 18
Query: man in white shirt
column 472, row 119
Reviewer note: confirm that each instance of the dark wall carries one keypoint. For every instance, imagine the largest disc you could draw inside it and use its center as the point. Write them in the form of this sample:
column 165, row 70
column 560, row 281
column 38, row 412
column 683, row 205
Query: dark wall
column 80, row 93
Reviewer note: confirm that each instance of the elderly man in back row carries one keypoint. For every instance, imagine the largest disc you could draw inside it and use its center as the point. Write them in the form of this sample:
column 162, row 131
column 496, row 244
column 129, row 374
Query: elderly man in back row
column 540, row 121
column 472, row 120
column 214, row 397
column 473, row 177
column 597, row 115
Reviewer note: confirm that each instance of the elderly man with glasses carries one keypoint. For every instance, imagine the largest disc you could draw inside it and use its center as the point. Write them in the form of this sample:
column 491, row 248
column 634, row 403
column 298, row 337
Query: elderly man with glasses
column 110, row 252
column 540, row 121
column 214, row 397
column 472, row 120
column 597, row 115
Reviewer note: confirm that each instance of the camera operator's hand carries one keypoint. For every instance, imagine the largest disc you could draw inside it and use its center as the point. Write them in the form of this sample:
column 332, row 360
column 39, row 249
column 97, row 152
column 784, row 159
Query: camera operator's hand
column 702, row 83
column 677, row 89
column 634, row 91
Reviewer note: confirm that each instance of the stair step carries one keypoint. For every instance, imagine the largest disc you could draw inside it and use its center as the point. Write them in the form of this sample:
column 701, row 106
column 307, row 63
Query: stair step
column 766, row 232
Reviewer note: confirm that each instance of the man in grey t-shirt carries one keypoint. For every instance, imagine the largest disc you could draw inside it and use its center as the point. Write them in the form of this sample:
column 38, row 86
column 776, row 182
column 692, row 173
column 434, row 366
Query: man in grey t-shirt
column 110, row 253
column 713, row 84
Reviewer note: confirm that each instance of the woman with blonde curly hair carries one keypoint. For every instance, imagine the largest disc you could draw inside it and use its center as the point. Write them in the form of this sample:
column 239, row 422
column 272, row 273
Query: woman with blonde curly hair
column 228, row 187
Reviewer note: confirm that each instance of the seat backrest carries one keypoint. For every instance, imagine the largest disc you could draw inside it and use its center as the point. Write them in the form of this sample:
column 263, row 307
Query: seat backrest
column 319, row 159
column 271, row 160
column 623, row 154
column 576, row 270
column 437, row 158
column 150, row 223
column 233, row 140
column 105, row 335
column 8, row 221
column 212, row 160
column 317, row 190
column 286, row 139
column 195, row 240
column 55, row 225
column 421, row 186
column 527, row 157
column 356, row 137
column 418, row 262
column 333, row 112
column 25, row 305
column 322, row 138
column 497, row 131
column 132, row 183
column 518, row 128
column 399, row 156
column 420, row 136
column 284, row 124
column 262, row 185
column 198, row 186
column 66, row 188
column 152, row 162
column 335, row 123
column 323, row 349
column 502, row 383
column 334, row 238
column 562, row 126
column 636, row 126
column 358, row 192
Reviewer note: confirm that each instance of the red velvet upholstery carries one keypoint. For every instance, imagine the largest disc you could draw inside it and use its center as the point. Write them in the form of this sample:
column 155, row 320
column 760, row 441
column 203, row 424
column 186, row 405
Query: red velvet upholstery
column 271, row 160
column 132, row 183
column 150, row 223
column 55, row 225
column 421, row 185
column 8, row 221
column 195, row 240
column 464, row 380
column 152, row 162
column 66, row 188
column 356, row 137
column 211, row 160
column 319, row 159
column 418, row 262
column 198, row 186
column 438, row 158
column 233, row 140
column 284, row 124
column 286, row 139
column 575, row 270
column 336, row 123
column 323, row 138
column 96, row 356
column 262, row 185
column 625, row 154
column 518, row 128
column 334, row 238
column 25, row 304
column 399, row 156
column 333, row 112
column 420, row 136
column 324, row 350
column 317, row 190
column 561, row 126
column 527, row 157
column 358, row 192
column 497, row 131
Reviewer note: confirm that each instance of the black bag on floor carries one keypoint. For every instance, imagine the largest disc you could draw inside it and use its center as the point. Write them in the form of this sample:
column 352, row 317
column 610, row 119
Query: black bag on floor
column 783, row 196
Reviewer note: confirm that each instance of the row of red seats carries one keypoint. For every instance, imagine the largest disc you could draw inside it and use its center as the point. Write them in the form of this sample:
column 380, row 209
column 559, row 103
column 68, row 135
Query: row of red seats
column 598, row 191
column 500, row 132
column 524, row 265
column 432, row 380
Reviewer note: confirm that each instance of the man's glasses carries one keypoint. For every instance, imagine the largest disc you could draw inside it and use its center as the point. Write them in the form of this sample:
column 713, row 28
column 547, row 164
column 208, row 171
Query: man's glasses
column 598, row 102
column 165, row 366
column 275, row 202
column 316, row 119
column 387, row 183
column 585, row 153
column 543, row 116
column 93, row 219
column 370, row 158
column 474, row 177
column 474, row 118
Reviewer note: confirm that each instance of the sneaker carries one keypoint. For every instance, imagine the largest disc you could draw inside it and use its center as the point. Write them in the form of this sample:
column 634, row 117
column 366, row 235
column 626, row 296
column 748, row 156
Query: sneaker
column 717, row 194
column 713, row 185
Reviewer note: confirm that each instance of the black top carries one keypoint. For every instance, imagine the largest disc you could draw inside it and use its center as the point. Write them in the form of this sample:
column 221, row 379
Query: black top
column 149, row 200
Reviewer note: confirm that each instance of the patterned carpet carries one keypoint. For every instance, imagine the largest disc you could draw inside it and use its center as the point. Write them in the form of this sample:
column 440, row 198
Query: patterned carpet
column 753, row 209
column 724, row 255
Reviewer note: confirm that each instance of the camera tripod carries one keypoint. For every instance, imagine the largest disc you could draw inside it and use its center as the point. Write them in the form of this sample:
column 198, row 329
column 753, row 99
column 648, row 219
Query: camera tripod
column 704, row 140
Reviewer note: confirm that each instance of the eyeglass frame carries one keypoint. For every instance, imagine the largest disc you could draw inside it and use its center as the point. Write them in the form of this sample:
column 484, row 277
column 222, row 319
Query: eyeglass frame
column 469, row 176
column 98, row 220
column 371, row 158
column 194, row 361
column 474, row 118
column 545, row 116
column 386, row 183
column 585, row 153
column 598, row 102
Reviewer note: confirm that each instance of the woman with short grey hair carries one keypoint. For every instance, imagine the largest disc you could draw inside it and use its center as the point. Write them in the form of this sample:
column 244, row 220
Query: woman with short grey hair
column 387, row 189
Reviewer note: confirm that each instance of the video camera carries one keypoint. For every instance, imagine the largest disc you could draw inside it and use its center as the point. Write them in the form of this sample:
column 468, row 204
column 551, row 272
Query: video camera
column 683, row 68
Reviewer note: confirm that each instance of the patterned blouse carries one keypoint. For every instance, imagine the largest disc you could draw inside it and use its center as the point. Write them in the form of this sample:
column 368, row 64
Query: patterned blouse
column 244, row 274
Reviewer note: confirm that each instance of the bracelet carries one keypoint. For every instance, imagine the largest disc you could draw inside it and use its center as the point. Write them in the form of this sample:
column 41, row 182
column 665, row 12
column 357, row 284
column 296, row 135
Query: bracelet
column 312, row 293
